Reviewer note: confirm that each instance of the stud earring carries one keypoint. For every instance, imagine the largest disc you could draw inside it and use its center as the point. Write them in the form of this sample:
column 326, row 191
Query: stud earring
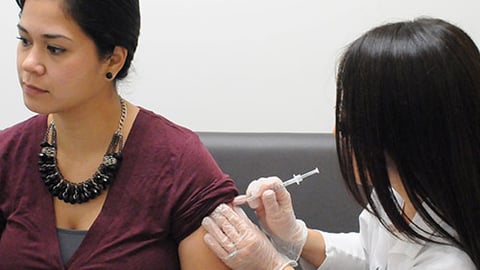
column 109, row 75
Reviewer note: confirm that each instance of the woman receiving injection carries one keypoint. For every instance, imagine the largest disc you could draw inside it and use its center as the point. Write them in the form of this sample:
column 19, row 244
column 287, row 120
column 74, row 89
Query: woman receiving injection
column 408, row 143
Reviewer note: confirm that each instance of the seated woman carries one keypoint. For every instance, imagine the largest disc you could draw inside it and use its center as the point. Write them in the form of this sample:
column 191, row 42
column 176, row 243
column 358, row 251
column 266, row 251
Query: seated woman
column 93, row 181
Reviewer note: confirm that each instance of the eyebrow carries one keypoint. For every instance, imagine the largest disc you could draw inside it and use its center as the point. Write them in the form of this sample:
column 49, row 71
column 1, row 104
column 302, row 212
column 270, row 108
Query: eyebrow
column 47, row 36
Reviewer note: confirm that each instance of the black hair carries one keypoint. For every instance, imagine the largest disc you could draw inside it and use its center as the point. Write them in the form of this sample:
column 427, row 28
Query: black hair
column 109, row 23
column 410, row 92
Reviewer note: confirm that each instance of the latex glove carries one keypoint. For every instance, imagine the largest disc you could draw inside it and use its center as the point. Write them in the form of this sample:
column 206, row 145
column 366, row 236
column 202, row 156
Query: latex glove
column 239, row 243
column 273, row 206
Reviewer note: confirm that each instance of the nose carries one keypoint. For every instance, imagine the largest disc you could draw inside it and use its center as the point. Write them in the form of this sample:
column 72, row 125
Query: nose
column 31, row 61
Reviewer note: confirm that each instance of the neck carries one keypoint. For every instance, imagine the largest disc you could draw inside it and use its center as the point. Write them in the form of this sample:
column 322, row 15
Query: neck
column 88, row 130
column 408, row 210
column 74, row 190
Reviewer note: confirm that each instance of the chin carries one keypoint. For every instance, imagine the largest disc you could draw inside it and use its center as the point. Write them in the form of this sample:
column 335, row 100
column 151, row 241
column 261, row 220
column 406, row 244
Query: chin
column 35, row 106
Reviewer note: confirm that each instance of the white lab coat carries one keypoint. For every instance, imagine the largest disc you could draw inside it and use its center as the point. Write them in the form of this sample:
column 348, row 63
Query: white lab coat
column 375, row 248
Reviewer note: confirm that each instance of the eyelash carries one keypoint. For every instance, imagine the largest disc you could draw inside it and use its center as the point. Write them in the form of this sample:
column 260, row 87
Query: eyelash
column 23, row 40
column 52, row 49
column 55, row 50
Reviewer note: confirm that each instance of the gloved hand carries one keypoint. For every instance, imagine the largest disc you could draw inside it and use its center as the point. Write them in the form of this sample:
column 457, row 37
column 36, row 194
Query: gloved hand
column 273, row 206
column 239, row 243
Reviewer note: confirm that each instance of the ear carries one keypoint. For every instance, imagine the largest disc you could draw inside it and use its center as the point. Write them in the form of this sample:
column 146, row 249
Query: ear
column 115, row 62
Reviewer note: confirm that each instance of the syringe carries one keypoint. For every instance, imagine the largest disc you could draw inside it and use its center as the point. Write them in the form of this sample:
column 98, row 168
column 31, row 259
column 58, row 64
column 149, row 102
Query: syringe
column 296, row 179
column 300, row 177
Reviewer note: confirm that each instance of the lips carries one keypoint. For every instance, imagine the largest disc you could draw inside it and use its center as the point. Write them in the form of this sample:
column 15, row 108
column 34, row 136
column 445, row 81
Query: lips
column 33, row 90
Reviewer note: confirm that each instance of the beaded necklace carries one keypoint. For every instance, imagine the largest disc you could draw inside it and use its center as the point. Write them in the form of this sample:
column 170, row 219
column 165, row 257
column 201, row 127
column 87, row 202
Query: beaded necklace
column 82, row 192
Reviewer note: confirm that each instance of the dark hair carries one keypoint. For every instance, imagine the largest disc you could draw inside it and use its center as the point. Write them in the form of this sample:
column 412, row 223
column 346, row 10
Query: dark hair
column 109, row 23
column 410, row 92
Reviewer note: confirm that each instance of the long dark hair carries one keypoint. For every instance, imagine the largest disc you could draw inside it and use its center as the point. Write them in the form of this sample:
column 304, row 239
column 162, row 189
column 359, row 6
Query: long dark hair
column 410, row 92
column 109, row 23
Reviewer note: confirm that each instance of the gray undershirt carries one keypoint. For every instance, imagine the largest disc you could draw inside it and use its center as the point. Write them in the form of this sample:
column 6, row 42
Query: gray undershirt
column 69, row 241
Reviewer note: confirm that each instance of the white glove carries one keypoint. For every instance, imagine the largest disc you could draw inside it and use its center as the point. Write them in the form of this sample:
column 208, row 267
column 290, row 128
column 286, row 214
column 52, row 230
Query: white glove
column 273, row 206
column 239, row 243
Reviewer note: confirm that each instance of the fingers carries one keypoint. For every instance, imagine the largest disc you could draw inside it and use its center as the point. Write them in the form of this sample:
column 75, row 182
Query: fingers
column 257, row 187
column 270, row 203
column 227, row 229
column 218, row 238
column 238, row 242
column 217, row 247
column 234, row 222
column 239, row 200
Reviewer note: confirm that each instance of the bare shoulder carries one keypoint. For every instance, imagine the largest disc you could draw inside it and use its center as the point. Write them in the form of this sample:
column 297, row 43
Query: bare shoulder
column 195, row 254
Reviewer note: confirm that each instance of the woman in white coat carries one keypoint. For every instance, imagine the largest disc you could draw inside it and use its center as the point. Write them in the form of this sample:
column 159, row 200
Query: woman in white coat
column 408, row 142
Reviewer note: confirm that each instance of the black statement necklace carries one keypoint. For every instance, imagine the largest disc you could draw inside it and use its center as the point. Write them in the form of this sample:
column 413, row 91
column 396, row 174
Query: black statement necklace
column 82, row 192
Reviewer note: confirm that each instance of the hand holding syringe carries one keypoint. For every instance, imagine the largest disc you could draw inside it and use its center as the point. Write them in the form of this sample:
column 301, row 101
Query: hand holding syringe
column 297, row 178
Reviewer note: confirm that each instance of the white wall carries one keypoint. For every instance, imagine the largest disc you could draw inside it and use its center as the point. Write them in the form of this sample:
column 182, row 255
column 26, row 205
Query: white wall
column 241, row 65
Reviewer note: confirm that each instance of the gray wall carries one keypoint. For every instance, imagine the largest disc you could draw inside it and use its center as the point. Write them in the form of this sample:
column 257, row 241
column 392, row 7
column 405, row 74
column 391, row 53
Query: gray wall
column 241, row 65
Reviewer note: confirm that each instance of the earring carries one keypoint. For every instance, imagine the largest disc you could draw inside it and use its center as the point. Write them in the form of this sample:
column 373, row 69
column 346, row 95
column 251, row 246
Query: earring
column 109, row 75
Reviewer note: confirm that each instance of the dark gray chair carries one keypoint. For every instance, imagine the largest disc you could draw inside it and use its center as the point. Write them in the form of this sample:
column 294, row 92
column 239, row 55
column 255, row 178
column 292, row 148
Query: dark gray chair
column 322, row 200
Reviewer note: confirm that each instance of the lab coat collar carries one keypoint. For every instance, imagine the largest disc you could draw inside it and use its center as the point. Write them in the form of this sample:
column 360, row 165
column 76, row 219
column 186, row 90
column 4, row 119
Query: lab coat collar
column 405, row 246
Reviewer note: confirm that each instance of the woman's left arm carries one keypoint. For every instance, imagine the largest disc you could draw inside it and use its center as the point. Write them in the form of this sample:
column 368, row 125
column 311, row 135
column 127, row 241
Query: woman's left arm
column 195, row 254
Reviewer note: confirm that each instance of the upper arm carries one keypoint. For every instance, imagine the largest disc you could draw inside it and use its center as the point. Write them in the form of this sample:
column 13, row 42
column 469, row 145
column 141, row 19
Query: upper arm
column 195, row 254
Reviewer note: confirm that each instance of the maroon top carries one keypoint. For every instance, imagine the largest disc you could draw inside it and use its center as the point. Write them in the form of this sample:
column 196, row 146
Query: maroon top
column 166, row 184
